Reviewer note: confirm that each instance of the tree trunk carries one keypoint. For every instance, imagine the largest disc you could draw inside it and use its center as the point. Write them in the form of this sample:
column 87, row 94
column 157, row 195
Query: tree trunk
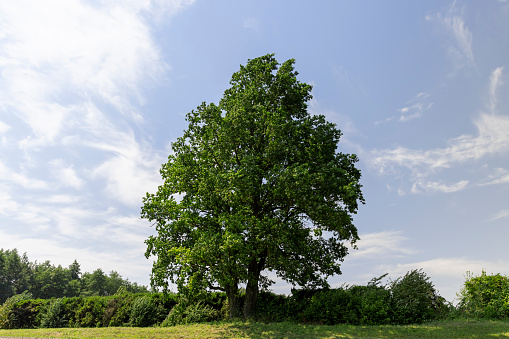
column 233, row 301
column 255, row 267
column 251, row 296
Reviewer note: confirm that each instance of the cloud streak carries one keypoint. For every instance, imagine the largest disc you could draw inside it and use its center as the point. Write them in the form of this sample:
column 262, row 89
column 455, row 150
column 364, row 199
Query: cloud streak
column 416, row 107
column 495, row 83
column 491, row 138
column 459, row 49
column 380, row 244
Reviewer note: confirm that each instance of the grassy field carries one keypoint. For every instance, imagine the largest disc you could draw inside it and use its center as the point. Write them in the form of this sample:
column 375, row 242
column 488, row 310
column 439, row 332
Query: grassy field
column 441, row 329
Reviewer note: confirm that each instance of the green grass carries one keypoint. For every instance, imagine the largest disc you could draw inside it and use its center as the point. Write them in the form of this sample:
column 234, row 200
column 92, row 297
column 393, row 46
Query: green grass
column 439, row 329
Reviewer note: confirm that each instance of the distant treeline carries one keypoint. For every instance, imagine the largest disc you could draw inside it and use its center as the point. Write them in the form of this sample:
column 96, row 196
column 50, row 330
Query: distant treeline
column 45, row 281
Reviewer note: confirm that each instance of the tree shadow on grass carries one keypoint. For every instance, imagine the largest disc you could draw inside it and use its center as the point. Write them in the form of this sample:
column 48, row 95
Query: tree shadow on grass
column 441, row 329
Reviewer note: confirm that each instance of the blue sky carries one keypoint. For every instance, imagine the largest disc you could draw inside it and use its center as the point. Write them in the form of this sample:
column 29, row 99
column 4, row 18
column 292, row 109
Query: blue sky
column 92, row 93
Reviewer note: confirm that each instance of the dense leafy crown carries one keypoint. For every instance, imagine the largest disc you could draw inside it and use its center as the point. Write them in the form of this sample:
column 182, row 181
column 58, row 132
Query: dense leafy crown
column 255, row 180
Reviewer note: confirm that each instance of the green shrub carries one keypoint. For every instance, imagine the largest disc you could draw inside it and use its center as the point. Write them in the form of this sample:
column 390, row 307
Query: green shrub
column 272, row 307
column 118, row 310
column 26, row 313
column 7, row 317
column 185, row 312
column 144, row 312
column 415, row 299
column 485, row 296
column 90, row 313
column 298, row 301
column 330, row 307
column 374, row 304
column 52, row 316
column 70, row 307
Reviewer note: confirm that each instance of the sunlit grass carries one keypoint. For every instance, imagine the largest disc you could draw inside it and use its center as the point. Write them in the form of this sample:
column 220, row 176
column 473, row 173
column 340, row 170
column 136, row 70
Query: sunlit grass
column 440, row 329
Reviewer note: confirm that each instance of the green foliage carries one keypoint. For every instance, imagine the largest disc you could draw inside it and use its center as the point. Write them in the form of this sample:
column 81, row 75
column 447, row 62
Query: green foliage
column 118, row 310
column 260, row 181
column 145, row 312
column 187, row 313
column 485, row 296
column 46, row 281
column 409, row 299
column 26, row 313
column 52, row 316
column 415, row 299
column 91, row 312
column 337, row 306
column 375, row 303
column 7, row 317
column 273, row 307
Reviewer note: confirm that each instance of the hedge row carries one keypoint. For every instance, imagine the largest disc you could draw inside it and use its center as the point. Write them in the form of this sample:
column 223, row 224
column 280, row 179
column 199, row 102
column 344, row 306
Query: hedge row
column 410, row 299
column 407, row 300
column 140, row 310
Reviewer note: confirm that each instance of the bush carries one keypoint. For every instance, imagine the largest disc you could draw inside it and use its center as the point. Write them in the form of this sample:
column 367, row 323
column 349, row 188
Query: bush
column 71, row 306
column 415, row 299
column 298, row 301
column 185, row 312
column 52, row 316
column 7, row 317
column 374, row 305
column 144, row 312
column 485, row 296
column 330, row 307
column 118, row 310
column 272, row 307
column 26, row 313
column 91, row 311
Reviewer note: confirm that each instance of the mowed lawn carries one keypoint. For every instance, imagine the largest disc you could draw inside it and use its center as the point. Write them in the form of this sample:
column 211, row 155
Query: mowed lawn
column 439, row 329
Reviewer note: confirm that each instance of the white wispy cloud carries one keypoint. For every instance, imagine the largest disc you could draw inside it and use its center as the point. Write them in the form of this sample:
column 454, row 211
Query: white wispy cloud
column 17, row 177
column 380, row 244
column 422, row 186
column 7, row 203
column 491, row 138
column 4, row 127
column 415, row 108
column 495, row 83
column 497, row 176
column 500, row 215
column 459, row 49
column 451, row 267
column 66, row 174
column 74, row 78
column 414, row 111
column 130, row 174
column 57, row 52
column 130, row 168
column 61, row 61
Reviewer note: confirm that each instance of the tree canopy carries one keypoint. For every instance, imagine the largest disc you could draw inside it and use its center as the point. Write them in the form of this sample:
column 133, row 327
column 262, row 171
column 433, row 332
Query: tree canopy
column 255, row 184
